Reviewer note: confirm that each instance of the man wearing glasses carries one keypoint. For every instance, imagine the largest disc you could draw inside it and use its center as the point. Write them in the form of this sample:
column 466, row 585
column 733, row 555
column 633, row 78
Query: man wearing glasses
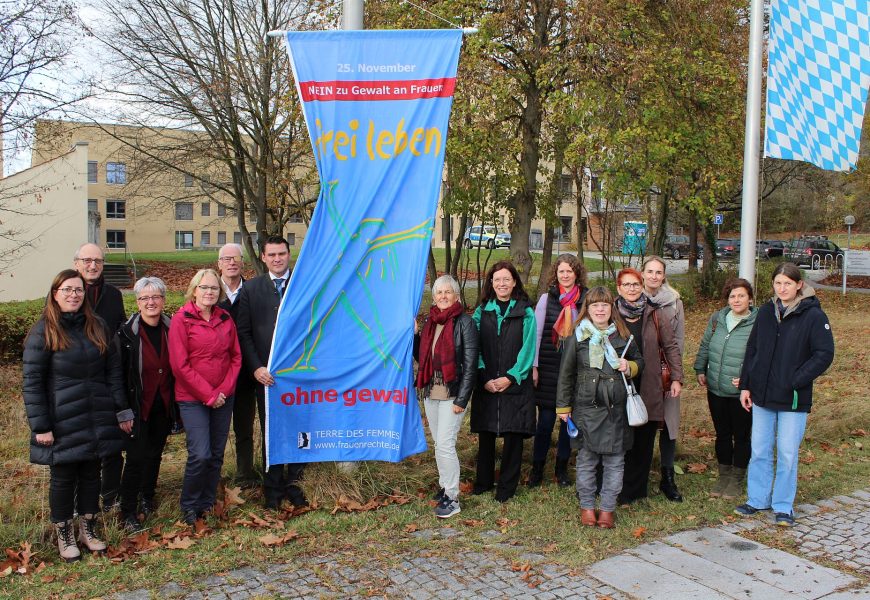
column 106, row 301
column 230, row 265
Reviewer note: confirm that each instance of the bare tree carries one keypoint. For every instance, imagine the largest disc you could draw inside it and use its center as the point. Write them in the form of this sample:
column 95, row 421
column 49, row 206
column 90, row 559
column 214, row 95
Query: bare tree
column 207, row 65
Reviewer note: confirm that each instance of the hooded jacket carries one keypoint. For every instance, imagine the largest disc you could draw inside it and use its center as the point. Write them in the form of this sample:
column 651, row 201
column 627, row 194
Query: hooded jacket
column 786, row 353
column 720, row 356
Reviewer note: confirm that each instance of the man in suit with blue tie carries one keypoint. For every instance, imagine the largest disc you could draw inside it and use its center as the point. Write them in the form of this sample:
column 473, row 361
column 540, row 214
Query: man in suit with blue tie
column 257, row 312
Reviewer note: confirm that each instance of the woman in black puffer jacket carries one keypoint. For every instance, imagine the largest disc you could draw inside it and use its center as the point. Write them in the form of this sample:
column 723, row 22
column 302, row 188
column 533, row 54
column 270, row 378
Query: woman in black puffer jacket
column 555, row 314
column 74, row 397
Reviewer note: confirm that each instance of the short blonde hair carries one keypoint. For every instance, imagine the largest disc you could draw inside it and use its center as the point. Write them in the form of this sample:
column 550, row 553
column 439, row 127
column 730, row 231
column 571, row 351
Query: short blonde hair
column 188, row 295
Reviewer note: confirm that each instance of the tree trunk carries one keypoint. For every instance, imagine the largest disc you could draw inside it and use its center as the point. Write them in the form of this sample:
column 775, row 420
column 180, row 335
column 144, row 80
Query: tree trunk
column 460, row 235
column 545, row 263
column 693, row 241
column 431, row 268
column 524, row 201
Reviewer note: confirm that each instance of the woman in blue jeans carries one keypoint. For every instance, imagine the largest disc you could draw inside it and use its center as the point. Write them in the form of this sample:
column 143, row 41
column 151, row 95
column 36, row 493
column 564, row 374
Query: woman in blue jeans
column 791, row 344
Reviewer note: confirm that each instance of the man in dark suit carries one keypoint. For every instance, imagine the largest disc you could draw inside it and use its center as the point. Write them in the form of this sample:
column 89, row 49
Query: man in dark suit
column 258, row 310
column 106, row 301
column 230, row 265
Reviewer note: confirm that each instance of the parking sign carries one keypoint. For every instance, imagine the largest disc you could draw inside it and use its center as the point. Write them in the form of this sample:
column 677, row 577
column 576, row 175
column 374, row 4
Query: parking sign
column 718, row 219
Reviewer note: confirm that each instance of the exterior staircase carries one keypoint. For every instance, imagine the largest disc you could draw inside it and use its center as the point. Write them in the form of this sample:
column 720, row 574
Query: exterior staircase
column 118, row 275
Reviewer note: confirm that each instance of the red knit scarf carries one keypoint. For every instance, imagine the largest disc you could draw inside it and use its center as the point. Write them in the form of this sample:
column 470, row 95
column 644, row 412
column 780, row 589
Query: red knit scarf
column 443, row 359
column 565, row 320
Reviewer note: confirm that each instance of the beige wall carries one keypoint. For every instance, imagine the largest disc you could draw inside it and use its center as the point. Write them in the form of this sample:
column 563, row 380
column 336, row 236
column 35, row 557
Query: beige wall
column 45, row 208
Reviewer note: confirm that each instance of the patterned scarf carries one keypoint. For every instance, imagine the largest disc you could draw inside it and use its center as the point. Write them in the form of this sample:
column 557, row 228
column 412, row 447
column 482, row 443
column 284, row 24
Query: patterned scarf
column 599, row 344
column 631, row 310
column 443, row 359
column 565, row 320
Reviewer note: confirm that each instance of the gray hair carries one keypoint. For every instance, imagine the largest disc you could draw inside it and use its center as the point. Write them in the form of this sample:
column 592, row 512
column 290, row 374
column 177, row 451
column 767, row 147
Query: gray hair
column 232, row 245
column 79, row 249
column 445, row 280
column 150, row 282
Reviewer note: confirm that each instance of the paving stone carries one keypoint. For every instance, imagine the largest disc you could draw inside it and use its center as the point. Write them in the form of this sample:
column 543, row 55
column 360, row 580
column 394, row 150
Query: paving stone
column 775, row 567
column 642, row 579
column 861, row 494
column 862, row 593
column 828, row 504
column 806, row 509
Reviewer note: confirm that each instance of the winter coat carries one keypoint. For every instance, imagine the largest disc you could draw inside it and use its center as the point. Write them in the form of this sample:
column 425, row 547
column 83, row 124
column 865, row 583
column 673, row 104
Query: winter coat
column 720, row 357
column 549, row 357
column 77, row 394
column 205, row 355
column 596, row 398
column 785, row 355
column 507, row 349
column 109, row 305
column 659, row 407
column 467, row 348
column 131, row 361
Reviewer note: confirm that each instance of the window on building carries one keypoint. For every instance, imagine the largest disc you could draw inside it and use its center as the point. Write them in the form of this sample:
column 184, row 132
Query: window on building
column 184, row 211
column 222, row 238
column 237, row 237
column 295, row 218
column 222, row 210
column 92, row 206
column 116, row 238
column 566, row 228
column 205, row 238
column 188, row 180
column 183, row 240
column 206, row 209
column 566, row 186
column 116, row 172
column 291, row 239
column 92, row 171
column 116, row 209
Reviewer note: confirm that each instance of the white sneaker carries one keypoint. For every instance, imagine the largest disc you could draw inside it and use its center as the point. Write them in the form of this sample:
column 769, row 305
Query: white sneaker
column 447, row 508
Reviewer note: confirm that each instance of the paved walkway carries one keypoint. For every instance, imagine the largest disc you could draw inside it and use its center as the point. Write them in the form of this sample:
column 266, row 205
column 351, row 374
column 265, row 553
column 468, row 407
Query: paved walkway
column 831, row 562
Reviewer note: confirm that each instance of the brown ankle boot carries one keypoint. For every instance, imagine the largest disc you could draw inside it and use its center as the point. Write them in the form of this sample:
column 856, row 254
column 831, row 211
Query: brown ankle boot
column 88, row 534
column 587, row 517
column 66, row 541
column 605, row 519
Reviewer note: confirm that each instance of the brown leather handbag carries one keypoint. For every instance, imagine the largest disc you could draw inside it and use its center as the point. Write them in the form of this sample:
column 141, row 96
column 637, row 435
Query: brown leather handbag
column 666, row 368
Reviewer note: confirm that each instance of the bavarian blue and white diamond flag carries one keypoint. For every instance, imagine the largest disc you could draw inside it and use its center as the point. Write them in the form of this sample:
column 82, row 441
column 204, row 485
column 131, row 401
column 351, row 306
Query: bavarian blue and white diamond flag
column 377, row 105
column 817, row 80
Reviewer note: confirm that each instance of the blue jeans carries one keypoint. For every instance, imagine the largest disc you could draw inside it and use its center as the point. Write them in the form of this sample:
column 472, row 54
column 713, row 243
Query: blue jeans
column 207, row 430
column 786, row 429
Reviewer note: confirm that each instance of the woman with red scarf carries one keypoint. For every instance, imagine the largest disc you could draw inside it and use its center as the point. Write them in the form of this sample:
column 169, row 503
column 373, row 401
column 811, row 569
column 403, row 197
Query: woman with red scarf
column 555, row 314
column 446, row 350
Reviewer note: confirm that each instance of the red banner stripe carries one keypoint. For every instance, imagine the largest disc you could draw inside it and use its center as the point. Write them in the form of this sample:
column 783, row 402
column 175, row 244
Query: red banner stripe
column 405, row 89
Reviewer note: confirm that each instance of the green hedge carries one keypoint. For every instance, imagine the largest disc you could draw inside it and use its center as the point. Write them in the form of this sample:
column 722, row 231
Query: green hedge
column 16, row 319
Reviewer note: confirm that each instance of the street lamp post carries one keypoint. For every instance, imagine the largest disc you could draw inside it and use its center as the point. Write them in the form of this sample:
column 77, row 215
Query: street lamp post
column 849, row 221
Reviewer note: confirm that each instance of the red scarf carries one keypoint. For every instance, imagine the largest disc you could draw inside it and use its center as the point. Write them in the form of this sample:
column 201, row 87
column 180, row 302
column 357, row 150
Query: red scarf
column 443, row 359
column 565, row 320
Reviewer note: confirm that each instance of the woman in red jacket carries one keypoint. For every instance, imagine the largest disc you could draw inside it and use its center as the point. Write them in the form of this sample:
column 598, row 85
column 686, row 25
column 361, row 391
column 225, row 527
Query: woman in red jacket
column 205, row 358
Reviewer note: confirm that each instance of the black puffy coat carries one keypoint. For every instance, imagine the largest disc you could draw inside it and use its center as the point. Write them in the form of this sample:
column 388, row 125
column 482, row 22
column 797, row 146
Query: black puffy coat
column 467, row 347
column 786, row 355
column 550, row 357
column 77, row 394
column 507, row 351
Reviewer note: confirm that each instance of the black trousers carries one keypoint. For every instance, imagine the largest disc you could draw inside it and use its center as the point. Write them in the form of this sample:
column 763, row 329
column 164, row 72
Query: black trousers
column 279, row 481
column 733, row 430
column 638, row 460
column 511, row 463
column 144, row 454
column 74, row 487
column 110, row 480
column 244, row 415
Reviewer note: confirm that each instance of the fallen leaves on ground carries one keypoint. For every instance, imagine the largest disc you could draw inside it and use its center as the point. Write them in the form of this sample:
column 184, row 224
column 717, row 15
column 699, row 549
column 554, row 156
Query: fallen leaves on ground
column 696, row 467
column 411, row 527
column 858, row 433
column 271, row 539
column 808, row 457
column 473, row 522
column 180, row 543
column 19, row 561
column 504, row 523
column 466, row 487
column 345, row 504
column 637, row 532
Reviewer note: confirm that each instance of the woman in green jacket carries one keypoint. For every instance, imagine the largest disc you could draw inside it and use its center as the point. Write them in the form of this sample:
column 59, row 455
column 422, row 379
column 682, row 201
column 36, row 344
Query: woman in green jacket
column 718, row 365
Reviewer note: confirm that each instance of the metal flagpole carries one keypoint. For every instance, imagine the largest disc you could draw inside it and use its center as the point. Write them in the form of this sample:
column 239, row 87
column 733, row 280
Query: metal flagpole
column 352, row 14
column 749, row 210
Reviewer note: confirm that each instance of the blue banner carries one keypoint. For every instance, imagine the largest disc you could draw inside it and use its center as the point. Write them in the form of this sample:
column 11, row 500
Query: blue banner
column 377, row 105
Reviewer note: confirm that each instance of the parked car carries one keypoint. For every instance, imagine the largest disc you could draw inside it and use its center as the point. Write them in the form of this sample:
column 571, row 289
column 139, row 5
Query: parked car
column 769, row 248
column 727, row 248
column 815, row 253
column 486, row 235
column 677, row 246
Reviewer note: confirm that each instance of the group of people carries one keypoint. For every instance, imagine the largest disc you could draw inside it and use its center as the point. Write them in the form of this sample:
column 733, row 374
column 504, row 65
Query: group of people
column 578, row 353
column 98, row 385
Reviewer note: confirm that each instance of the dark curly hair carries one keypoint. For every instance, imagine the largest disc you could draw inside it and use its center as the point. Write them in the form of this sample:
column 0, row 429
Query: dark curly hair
column 488, row 293
column 575, row 263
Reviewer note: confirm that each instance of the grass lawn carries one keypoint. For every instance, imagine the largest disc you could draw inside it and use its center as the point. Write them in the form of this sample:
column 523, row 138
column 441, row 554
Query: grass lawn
column 834, row 460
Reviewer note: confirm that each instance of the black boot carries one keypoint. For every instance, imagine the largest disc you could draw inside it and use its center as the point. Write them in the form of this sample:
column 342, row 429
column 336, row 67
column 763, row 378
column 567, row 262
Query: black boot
column 537, row 474
column 668, row 486
column 562, row 472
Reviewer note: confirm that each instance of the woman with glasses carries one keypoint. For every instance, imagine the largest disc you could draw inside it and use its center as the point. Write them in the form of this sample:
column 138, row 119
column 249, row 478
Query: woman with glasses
column 637, row 311
column 74, row 398
column 150, row 392
column 504, row 404
column 205, row 358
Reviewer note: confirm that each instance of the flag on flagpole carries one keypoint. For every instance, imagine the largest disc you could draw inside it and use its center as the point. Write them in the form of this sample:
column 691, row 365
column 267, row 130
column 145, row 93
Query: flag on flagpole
column 817, row 80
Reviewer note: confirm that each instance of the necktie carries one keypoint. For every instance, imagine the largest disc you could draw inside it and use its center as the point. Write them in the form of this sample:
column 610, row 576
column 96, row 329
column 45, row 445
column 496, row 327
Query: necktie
column 279, row 285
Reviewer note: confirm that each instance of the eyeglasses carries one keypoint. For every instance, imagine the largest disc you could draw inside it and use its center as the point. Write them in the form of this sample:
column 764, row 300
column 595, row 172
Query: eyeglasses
column 92, row 261
column 631, row 285
column 147, row 299
column 228, row 259
column 503, row 280
column 71, row 291
column 208, row 288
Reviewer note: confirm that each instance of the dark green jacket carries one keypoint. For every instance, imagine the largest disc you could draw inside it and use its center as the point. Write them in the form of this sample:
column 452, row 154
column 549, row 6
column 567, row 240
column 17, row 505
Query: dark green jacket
column 720, row 356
